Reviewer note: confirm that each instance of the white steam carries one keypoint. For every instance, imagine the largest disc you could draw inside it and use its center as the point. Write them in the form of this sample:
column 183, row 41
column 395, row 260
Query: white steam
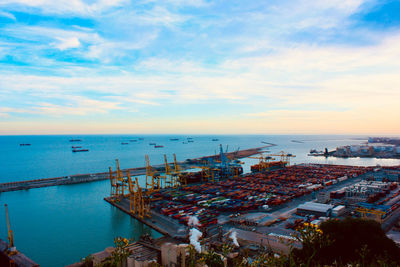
column 193, row 221
column 194, row 239
column 234, row 239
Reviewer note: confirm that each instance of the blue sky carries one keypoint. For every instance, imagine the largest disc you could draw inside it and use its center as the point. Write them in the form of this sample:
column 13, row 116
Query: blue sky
column 199, row 66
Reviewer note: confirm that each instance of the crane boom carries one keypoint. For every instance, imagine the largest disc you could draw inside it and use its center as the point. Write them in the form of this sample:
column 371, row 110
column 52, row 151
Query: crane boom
column 11, row 247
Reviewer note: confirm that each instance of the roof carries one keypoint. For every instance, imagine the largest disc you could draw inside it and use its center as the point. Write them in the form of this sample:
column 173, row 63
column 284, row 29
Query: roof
column 313, row 206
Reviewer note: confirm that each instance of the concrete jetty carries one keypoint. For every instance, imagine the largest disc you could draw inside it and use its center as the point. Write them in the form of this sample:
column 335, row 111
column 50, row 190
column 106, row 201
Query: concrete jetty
column 91, row 177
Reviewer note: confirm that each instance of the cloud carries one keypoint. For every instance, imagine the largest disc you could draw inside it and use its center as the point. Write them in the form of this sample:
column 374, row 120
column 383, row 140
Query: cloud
column 67, row 43
column 64, row 7
column 7, row 15
column 180, row 3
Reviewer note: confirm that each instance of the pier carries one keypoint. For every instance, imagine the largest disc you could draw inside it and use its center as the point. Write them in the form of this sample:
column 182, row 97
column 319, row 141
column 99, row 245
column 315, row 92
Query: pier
column 91, row 177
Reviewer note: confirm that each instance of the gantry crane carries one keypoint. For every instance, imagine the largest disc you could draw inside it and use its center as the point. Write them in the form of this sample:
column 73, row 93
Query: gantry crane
column 167, row 177
column 365, row 211
column 285, row 157
column 263, row 162
column 139, row 201
column 208, row 170
column 152, row 177
column 121, row 183
column 132, row 193
column 11, row 248
column 179, row 177
column 113, row 194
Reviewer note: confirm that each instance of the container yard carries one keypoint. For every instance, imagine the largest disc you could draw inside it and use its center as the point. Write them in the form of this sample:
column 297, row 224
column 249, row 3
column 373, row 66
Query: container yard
column 272, row 198
column 263, row 208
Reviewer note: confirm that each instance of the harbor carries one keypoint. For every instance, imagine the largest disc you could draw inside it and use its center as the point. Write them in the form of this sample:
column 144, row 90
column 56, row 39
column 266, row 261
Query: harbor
column 85, row 178
column 263, row 207
column 89, row 231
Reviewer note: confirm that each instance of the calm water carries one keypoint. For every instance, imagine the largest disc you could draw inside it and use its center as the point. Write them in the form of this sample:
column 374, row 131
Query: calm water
column 59, row 225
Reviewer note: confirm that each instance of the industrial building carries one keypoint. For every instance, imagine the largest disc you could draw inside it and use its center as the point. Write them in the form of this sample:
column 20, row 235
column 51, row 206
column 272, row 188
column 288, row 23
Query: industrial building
column 317, row 209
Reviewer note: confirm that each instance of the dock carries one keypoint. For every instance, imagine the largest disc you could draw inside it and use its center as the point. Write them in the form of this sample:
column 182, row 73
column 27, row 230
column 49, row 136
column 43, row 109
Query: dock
column 158, row 222
column 91, row 177
column 17, row 259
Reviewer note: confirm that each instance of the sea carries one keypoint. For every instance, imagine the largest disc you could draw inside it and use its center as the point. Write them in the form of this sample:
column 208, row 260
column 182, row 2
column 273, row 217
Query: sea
column 60, row 225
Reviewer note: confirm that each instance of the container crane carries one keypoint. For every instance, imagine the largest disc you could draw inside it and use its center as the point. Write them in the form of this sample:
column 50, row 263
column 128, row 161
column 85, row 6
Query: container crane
column 168, row 181
column 263, row 163
column 132, row 194
column 364, row 212
column 285, row 157
column 139, row 200
column 113, row 185
column 121, row 183
column 152, row 177
column 11, row 248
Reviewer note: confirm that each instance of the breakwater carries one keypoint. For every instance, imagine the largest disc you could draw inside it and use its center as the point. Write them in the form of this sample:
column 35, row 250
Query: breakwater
column 91, row 177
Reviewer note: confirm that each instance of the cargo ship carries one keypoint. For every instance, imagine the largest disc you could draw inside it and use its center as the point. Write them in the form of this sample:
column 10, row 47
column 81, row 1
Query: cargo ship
column 174, row 139
column 152, row 144
column 80, row 150
column 76, row 147
column 158, row 146
column 24, row 144
column 215, row 139
column 75, row 140
column 123, row 143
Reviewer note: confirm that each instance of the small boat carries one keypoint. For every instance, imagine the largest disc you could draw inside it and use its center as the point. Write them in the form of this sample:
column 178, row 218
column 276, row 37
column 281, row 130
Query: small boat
column 76, row 146
column 132, row 140
column 80, row 150
column 124, row 143
column 174, row 139
column 215, row 139
column 75, row 140
column 24, row 144
column 152, row 144
column 158, row 146
column 190, row 141
column 297, row 141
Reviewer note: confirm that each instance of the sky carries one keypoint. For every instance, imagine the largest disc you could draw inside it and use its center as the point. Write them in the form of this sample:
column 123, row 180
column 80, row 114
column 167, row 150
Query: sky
column 199, row 67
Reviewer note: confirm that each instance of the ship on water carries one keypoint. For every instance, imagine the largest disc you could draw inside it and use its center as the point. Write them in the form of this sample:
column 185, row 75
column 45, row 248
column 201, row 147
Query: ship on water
column 80, row 150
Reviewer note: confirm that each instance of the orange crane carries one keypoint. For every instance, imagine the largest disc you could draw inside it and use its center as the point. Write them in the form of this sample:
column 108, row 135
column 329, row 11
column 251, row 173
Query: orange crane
column 180, row 178
column 11, row 248
column 167, row 174
column 285, row 157
column 132, row 194
column 152, row 177
column 365, row 212
column 121, row 183
column 113, row 184
column 263, row 163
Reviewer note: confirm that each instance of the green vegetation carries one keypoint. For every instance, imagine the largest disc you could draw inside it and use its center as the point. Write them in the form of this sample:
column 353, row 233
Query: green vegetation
column 354, row 240
column 351, row 242
column 119, row 255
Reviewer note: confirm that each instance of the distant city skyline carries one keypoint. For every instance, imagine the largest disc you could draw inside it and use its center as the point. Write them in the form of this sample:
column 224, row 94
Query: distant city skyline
column 198, row 66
